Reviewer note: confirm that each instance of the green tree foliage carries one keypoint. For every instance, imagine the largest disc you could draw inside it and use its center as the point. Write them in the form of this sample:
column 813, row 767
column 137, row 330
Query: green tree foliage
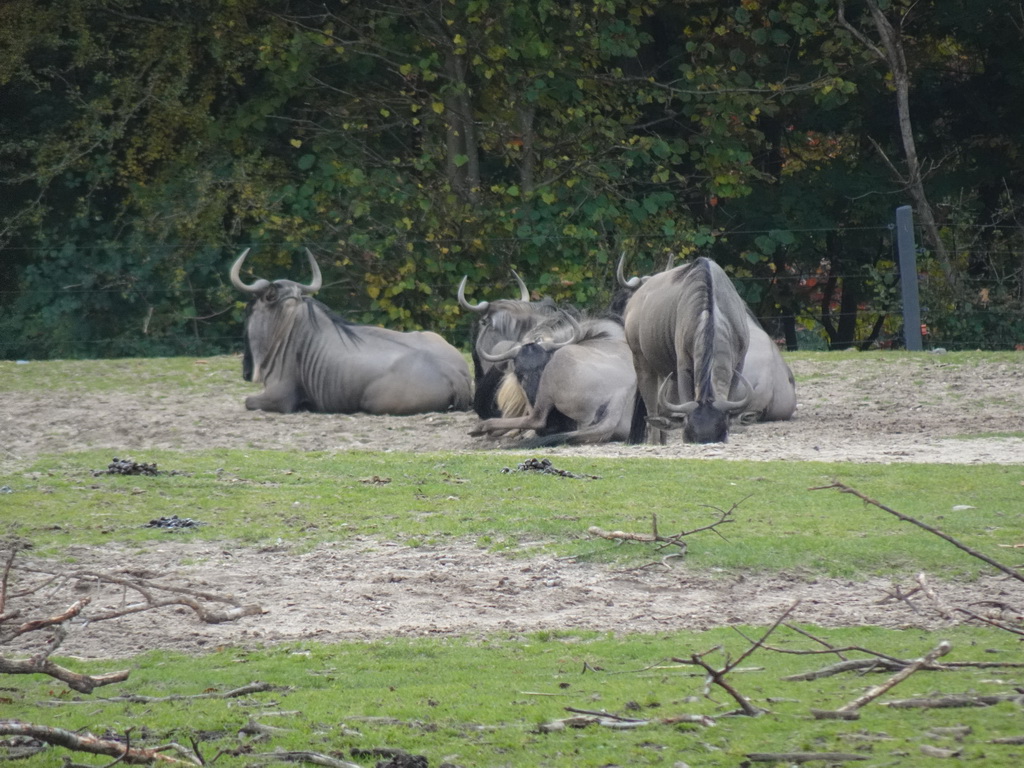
column 146, row 142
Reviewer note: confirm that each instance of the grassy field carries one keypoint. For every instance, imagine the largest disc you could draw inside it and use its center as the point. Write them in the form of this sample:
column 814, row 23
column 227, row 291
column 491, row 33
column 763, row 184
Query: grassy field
column 497, row 699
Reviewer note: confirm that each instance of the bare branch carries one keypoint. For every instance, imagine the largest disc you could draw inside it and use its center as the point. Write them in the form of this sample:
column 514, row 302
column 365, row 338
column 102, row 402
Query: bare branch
column 849, row 710
column 88, row 743
column 908, row 519
column 75, row 680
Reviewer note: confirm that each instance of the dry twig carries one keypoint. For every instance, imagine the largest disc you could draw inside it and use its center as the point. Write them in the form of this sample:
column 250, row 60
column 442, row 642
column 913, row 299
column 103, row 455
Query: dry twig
column 849, row 711
column 674, row 540
column 717, row 676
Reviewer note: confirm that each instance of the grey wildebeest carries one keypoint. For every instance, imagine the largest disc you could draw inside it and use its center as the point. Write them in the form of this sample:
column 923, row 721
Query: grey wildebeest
column 309, row 358
column 687, row 329
column 773, row 389
column 577, row 390
column 500, row 325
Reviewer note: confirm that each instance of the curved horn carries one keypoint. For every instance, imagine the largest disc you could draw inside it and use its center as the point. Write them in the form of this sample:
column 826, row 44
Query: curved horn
column 671, row 260
column 258, row 286
column 728, row 406
column 481, row 307
column 551, row 345
column 676, row 409
column 524, row 292
column 620, row 272
column 314, row 286
column 501, row 357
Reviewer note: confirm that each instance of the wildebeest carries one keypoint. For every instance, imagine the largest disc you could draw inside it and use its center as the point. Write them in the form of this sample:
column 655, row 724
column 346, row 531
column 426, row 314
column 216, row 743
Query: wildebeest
column 773, row 389
column 500, row 325
column 578, row 390
column 309, row 358
column 687, row 329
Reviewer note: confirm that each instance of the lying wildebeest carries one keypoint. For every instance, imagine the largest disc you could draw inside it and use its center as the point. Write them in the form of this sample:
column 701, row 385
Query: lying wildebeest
column 576, row 390
column 773, row 389
column 687, row 329
column 501, row 324
column 309, row 358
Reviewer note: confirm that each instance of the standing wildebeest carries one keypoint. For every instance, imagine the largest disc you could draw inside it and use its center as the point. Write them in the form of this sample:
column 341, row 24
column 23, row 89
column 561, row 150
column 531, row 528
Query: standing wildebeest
column 500, row 325
column 687, row 328
column 773, row 389
column 577, row 390
column 309, row 358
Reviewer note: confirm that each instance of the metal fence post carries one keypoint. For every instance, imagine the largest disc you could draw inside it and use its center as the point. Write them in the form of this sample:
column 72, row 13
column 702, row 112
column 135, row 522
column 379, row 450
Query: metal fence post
column 908, row 278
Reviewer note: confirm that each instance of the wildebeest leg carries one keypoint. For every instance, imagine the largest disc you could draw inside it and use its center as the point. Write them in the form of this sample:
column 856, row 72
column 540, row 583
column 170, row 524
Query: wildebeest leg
column 645, row 406
column 497, row 427
column 604, row 420
column 485, row 398
column 280, row 398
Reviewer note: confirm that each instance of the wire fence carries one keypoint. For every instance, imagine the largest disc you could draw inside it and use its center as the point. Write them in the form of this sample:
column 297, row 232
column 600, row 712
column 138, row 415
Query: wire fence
column 798, row 306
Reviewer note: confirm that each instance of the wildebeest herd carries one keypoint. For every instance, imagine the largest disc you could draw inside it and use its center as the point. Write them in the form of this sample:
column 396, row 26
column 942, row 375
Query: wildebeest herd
column 678, row 350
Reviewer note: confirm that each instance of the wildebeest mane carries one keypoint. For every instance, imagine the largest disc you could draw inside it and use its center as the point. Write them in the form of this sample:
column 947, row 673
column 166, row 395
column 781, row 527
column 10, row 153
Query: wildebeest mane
column 705, row 336
column 348, row 330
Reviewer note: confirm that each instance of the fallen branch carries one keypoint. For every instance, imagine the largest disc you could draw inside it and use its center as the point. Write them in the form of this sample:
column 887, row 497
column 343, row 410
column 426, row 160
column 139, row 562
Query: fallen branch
column 314, row 758
column 86, row 742
column 991, row 622
column 40, row 665
column 154, row 595
column 954, row 701
column 675, row 540
column 1013, row 573
column 848, row 711
column 802, row 757
column 149, row 590
column 245, row 690
column 584, row 717
column 887, row 665
column 717, row 676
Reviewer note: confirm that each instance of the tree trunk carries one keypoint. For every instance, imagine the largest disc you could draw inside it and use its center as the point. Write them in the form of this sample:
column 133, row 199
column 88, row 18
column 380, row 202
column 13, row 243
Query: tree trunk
column 891, row 52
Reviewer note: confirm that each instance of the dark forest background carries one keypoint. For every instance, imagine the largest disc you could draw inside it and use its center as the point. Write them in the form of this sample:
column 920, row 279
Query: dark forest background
column 145, row 143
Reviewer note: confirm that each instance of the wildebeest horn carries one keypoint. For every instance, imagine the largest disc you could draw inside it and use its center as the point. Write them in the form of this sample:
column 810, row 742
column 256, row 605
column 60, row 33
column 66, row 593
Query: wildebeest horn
column 524, row 292
column 314, row 286
column 676, row 409
column 620, row 272
column 548, row 345
column 258, row 286
column 729, row 406
column 481, row 307
column 508, row 354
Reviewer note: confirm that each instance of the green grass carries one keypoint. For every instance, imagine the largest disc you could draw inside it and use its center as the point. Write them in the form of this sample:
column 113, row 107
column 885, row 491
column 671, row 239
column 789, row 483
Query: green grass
column 480, row 701
column 258, row 497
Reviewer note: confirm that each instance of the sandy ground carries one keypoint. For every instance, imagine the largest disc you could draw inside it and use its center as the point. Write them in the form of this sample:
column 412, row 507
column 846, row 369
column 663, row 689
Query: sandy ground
column 880, row 410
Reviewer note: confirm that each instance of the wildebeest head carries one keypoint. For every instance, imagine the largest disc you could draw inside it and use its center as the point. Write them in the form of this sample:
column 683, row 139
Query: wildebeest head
column 500, row 325
column 267, row 312
column 503, row 320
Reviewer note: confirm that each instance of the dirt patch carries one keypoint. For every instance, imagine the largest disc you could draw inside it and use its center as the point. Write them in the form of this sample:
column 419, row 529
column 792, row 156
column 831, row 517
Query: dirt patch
column 372, row 590
column 851, row 409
